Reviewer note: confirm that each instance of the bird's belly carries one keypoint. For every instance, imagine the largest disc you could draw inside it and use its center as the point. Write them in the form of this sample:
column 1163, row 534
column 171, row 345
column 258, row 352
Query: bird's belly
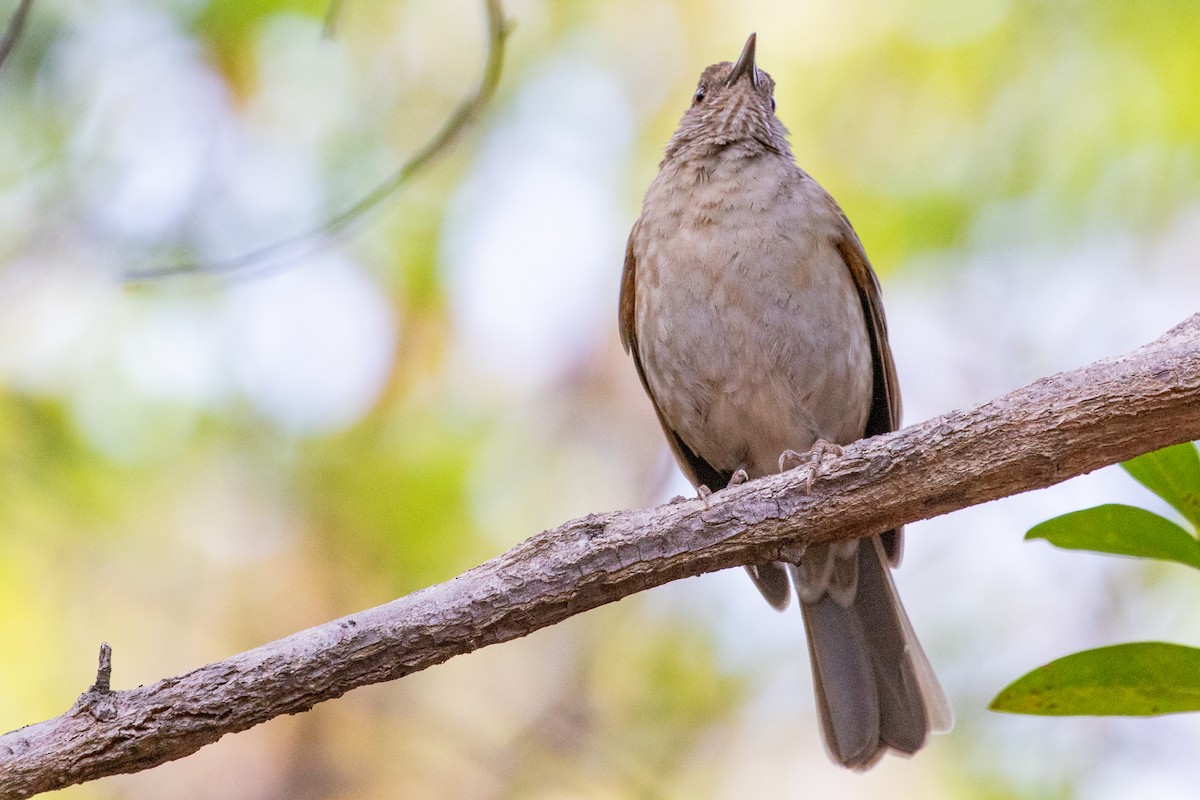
column 753, row 348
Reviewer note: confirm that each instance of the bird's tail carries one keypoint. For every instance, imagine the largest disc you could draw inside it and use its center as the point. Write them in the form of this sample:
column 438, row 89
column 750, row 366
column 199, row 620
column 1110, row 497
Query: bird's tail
column 875, row 688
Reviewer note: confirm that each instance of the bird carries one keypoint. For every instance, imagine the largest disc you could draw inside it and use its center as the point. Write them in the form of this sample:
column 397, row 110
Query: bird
column 757, row 329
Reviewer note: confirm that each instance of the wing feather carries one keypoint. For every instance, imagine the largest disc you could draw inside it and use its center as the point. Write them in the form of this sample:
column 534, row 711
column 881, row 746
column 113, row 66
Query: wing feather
column 885, row 404
column 697, row 470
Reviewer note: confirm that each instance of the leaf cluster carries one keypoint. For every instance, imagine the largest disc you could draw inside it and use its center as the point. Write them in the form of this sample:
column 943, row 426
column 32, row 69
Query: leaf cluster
column 1137, row 678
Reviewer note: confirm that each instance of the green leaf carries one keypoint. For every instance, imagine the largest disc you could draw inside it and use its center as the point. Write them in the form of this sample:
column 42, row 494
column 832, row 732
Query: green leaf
column 1173, row 474
column 1121, row 530
column 1132, row 680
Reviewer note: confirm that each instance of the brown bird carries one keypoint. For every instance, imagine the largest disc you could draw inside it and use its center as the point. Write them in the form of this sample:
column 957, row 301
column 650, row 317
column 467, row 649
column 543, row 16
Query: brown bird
column 755, row 323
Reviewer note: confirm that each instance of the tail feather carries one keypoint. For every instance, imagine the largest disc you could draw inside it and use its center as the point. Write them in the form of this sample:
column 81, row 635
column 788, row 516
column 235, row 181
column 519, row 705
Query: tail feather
column 845, row 684
column 771, row 578
column 874, row 686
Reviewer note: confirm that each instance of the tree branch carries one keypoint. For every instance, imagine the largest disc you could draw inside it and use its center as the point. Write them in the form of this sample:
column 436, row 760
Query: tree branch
column 1051, row 430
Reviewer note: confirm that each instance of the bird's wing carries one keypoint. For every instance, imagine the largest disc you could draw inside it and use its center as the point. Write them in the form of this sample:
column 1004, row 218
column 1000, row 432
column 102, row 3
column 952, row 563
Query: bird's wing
column 697, row 470
column 885, row 405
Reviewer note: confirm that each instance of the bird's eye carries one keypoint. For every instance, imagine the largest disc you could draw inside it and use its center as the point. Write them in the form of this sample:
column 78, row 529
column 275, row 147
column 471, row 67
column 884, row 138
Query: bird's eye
column 772, row 103
column 699, row 97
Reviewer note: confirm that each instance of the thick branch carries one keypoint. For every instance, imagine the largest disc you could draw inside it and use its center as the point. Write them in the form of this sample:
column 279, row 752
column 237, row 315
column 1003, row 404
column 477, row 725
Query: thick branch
column 1053, row 429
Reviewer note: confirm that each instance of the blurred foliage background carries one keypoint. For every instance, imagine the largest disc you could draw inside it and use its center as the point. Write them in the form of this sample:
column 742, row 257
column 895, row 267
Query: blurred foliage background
column 196, row 465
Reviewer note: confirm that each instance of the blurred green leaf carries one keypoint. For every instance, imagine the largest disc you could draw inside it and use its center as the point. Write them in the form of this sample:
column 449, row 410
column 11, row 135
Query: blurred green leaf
column 391, row 496
column 1135, row 679
column 238, row 16
column 1173, row 474
column 661, row 686
column 231, row 27
column 1121, row 530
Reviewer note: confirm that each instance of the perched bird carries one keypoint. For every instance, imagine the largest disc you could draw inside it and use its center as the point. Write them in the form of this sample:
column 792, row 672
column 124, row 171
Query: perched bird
column 755, row 323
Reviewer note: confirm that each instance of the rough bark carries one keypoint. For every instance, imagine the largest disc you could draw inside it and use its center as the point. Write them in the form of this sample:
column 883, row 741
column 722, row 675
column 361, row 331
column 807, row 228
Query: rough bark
column 1051, row 430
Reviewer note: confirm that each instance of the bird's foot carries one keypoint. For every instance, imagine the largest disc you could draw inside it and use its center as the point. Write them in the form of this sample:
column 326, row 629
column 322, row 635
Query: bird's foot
column 790, row 459
column 703, row 492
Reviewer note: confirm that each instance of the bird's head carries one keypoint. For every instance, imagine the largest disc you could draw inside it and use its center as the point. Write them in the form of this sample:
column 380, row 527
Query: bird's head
column 734, row 104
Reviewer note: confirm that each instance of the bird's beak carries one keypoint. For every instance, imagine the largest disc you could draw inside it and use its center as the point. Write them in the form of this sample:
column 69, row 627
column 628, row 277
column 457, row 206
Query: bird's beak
column 745, row 64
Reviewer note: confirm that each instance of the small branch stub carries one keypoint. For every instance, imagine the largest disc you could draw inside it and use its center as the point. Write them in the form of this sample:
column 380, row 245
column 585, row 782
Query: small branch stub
column 99, row 701
column 103, row 684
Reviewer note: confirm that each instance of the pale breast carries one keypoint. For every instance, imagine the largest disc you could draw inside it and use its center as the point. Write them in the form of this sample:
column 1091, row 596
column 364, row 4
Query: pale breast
column 750, row 330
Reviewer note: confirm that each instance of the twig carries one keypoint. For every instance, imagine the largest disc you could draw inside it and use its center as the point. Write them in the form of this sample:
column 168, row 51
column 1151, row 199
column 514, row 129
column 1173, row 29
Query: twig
column 280, row 253
column 16, row 24
column 100, row 702
column 333, row 15
column 1049, row 431
column 103, row 684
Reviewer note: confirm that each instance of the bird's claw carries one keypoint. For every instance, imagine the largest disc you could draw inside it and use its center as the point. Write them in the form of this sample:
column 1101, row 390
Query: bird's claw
column 703, row 492
column 790, row 459
column 738, row 478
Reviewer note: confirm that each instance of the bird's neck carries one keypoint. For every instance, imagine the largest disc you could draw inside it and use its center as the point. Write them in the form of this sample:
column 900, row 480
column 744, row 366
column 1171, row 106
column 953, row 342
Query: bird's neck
column 701, row 161
column 684, row 150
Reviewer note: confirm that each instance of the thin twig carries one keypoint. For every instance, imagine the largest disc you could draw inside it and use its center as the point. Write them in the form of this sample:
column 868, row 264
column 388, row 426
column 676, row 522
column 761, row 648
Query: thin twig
column 16, row 24
column 333, row 16
column 280, row 253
